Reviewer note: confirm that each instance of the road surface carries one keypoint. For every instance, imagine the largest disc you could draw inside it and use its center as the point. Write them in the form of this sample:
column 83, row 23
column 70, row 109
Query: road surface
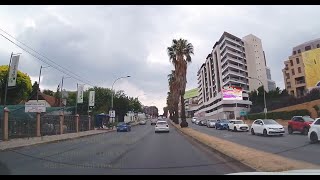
column 294, row 146
column 140, row 151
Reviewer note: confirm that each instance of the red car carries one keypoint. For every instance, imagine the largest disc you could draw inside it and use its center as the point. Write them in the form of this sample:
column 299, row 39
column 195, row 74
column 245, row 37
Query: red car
column 300, row 123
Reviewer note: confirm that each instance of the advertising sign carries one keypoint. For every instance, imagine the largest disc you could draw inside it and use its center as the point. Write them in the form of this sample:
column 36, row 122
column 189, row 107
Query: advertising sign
column 112, row 113
column 311, row 62
column 35, row 106
column 232, row 93
column 80, row 93
column 12, row 79
column 91, row 98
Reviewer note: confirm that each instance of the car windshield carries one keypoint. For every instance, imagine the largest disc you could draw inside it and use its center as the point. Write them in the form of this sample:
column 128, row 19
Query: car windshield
column 238, row 122
column 269, row 121
column 308, row 119
column 224, row 121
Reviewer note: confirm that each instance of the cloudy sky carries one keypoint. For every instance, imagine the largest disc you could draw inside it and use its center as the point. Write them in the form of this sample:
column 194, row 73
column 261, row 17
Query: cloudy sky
column 102, row 43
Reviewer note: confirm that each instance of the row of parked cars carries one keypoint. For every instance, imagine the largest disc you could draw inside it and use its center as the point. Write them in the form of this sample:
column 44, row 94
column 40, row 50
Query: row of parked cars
column 304, row 124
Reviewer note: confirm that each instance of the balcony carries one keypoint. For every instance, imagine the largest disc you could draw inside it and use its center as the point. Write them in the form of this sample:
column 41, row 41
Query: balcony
column 234, row 73
column 236, row 80
column 235, row 42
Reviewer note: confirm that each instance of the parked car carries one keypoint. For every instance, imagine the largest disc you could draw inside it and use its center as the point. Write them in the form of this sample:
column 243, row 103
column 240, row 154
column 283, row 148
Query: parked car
column 122, row 126
column 211, row 123
column 222, row 124
column 300, row 123
column 142, row 122
column 203, row 123
column 197, row 122
column 267, row 127
column 237, row 125
column 153, row 121
column 314, row 131
column 161, row 126
column 193, row 120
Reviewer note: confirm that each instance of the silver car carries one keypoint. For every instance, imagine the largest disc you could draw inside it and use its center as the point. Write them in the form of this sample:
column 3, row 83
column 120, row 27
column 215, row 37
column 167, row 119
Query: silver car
column 211, row 123
column 197, row 122
column 193, row 120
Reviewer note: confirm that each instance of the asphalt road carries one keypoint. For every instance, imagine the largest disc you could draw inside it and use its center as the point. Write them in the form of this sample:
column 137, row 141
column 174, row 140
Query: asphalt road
column 294, row 146
column 140, row 151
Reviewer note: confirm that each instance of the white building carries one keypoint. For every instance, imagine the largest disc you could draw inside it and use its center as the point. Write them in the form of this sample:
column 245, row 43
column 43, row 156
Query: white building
column 230, row 63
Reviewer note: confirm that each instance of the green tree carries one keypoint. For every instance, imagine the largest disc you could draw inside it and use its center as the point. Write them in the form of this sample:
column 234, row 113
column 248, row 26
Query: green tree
column 48, row 92
column 180, row 55
column 18, row 93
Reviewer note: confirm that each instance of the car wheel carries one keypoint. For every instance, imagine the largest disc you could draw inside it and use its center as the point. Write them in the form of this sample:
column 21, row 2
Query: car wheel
column 290, row 130
column 228, row 128
column 265, row 132
column 235, row 129
column 281, row 135
column 252, row 131
column 313, row 137
column 305, row 131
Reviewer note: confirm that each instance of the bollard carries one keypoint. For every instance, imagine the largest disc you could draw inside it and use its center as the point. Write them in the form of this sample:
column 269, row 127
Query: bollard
column 61, row 122
column 38, row 124
column 77, row 122
column 89, row 123
column 5, row 126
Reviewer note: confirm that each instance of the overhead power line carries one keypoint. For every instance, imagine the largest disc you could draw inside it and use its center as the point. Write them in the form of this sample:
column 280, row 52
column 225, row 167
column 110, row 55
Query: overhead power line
column 51, row 63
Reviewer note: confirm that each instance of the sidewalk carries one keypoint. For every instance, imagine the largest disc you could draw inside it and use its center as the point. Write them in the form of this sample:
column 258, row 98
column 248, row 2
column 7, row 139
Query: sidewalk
column 21, row 142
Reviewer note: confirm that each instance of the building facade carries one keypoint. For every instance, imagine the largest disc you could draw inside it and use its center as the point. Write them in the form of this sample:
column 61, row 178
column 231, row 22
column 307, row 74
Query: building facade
column 230, row 64
column 294, row 73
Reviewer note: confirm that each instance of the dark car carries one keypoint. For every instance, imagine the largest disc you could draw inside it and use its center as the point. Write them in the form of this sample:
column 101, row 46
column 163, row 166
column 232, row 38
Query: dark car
column 222, row 124
column 122, row 126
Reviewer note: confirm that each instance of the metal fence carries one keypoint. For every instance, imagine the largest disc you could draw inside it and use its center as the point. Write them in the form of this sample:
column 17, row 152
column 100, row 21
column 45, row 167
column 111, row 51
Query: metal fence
column 69, row 123
column 49, row 124
column 83, row 123
column 21, row 127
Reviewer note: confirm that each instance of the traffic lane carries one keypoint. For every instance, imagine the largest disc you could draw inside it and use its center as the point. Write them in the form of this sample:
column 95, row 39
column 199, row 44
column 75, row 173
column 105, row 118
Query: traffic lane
column 140, row 151
column 173, row 153
column 71, row 155
column 295, row 146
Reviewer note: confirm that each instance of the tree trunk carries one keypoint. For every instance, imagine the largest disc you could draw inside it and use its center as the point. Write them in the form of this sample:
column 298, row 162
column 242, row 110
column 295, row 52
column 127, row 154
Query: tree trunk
column 176, row 114
column 184, row 122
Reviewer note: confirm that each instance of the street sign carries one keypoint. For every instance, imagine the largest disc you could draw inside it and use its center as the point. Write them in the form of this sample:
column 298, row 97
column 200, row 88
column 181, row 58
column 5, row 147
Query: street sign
column 12, row 79
column 35, row 107
column 112, row 113
column 243, row 113
column 91, row 98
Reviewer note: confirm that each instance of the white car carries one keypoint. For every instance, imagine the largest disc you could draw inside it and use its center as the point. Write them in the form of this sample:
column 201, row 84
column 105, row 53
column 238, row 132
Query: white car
column 197, row 122
column 314, row 131
column 211, row 123
column 161, row 126
column 237, row 125
column 267, row 127
column 193, row 120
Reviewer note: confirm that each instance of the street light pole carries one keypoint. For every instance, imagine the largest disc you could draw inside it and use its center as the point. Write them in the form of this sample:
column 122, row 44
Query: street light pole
column 112, row 89
column 62, row 90
column 264, row 98
column 39, row 81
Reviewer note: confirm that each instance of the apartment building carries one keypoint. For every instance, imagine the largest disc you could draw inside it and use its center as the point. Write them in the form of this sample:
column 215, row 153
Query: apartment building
column 294, row 71
column 230, row 64
column 225, row 66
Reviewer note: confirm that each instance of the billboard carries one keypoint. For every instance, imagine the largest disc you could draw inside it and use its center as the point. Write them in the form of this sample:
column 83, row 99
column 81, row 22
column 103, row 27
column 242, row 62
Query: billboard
column 12, row 79
column 232, row 93
column 311, row 62
column 32, row 106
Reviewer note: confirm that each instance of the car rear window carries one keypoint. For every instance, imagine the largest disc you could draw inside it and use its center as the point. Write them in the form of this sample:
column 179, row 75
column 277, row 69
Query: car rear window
column 162, row 123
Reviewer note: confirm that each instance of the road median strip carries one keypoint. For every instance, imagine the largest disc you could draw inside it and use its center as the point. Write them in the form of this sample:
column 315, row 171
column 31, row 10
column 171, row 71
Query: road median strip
column 256, row 159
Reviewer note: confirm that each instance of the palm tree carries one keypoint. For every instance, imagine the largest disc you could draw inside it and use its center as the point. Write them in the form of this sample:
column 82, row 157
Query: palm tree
column 180, row 55
column 173, row 97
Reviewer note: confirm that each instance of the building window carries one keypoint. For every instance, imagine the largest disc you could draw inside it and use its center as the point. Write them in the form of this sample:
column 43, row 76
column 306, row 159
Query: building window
column 318, row 45
column 291, row 62
column 292, row 70
column 299, row 51
column 294, row 52
column 307, row 48
column 299, row 69
column 297, row 60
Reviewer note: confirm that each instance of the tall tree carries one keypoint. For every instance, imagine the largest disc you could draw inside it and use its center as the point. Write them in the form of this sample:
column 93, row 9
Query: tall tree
column 48, row 92
column 16, row 94
column 180, row 55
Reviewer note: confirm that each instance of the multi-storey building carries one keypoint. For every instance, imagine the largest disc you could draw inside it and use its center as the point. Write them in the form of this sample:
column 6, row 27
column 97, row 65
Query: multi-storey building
column 230, row 64
column 294, row 72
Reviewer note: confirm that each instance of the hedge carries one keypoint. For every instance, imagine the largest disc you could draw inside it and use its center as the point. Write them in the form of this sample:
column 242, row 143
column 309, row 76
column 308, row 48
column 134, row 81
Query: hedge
column 285, row 115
